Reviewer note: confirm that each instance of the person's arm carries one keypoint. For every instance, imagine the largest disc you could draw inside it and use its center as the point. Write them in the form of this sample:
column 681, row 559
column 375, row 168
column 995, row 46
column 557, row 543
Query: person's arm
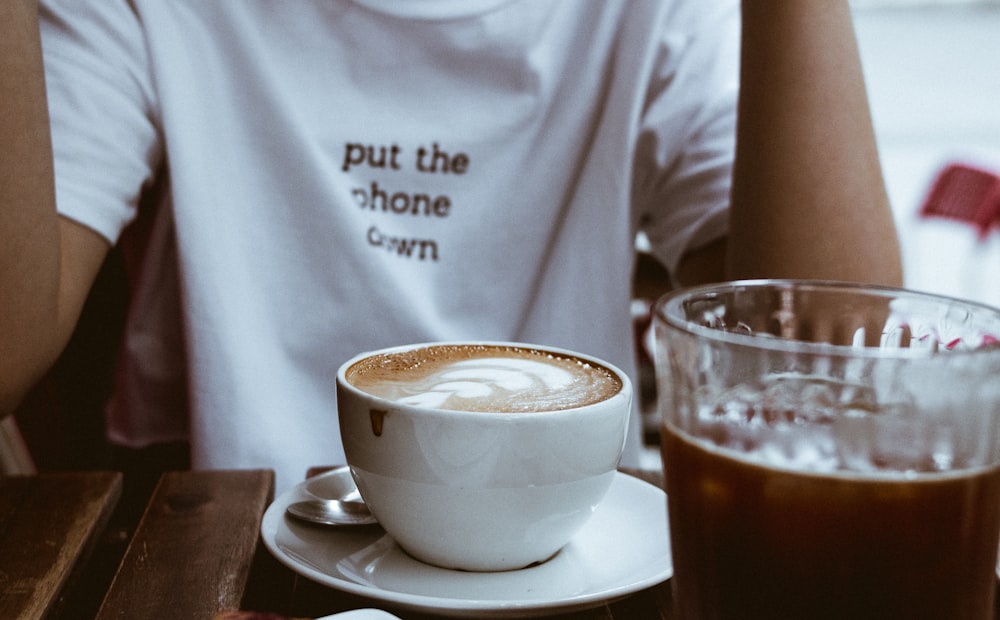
column 47, row 264
column 808, row 197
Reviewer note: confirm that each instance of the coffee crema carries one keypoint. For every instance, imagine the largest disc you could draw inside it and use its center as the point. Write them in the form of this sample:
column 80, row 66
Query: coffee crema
column 488, row 378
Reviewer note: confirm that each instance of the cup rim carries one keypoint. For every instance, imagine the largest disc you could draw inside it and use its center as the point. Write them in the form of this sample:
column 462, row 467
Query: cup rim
column 624, row 391
column 666, row 311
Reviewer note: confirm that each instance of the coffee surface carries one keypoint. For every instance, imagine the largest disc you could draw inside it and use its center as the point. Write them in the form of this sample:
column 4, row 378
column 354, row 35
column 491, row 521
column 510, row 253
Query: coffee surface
column 484, row 378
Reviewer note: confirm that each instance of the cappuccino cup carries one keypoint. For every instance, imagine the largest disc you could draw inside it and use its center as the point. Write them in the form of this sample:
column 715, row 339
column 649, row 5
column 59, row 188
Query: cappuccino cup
column 482, row 456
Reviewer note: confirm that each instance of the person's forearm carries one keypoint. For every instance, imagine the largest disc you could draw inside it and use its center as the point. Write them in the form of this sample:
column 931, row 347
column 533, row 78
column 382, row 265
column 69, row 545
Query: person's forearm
column 808, row 195
column 29, row 228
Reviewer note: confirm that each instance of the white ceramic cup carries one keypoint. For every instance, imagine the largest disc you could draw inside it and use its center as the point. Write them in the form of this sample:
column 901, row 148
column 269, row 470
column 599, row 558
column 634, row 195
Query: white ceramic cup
column 482, row 490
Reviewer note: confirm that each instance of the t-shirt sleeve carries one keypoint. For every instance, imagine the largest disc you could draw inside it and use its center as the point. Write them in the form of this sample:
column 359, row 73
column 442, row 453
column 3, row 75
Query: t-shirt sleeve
column 100, row 96
column 685, row 149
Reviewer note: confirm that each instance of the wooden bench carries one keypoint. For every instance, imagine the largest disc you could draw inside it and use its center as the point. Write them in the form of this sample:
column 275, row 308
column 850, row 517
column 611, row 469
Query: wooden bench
column 49, row 525
column 198, row 537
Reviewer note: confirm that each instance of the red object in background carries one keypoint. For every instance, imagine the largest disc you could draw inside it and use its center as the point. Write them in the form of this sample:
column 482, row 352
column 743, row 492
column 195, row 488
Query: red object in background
column 965, row 193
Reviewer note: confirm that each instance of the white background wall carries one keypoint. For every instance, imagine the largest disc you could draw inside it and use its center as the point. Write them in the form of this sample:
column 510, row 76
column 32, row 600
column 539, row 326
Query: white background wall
column 933, row 75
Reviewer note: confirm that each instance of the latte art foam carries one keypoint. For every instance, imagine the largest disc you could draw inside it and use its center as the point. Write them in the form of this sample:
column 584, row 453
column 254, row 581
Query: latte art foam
column 484, row 378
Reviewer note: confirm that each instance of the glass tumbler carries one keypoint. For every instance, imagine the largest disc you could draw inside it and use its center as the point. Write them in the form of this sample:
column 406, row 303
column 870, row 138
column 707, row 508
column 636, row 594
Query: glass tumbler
column 831, row 451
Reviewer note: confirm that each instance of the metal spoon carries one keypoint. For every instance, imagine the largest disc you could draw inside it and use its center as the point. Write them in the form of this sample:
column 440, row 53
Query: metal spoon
column 332, row 512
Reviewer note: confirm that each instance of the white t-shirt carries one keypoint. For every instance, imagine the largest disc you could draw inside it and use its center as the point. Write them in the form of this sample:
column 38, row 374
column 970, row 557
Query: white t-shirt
column 346, row 175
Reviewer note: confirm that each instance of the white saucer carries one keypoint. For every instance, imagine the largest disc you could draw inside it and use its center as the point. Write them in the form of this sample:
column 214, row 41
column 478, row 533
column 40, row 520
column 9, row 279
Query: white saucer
column 624, row 548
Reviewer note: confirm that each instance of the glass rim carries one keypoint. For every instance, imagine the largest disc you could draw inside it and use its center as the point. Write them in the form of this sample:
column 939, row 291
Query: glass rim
column 666, row 311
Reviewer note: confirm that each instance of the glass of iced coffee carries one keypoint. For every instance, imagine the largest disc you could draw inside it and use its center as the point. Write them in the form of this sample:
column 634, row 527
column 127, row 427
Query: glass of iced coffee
column 830, row 451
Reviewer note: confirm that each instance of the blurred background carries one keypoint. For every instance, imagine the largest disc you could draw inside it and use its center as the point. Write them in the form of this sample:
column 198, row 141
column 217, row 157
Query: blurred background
column 933, row 74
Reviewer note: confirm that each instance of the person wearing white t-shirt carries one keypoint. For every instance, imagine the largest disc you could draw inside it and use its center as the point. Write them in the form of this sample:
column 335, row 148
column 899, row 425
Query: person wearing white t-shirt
column 341, row 175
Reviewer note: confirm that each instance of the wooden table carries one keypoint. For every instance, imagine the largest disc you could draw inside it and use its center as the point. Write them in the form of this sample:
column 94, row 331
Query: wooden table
column 195, row 552
column 49, row 525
